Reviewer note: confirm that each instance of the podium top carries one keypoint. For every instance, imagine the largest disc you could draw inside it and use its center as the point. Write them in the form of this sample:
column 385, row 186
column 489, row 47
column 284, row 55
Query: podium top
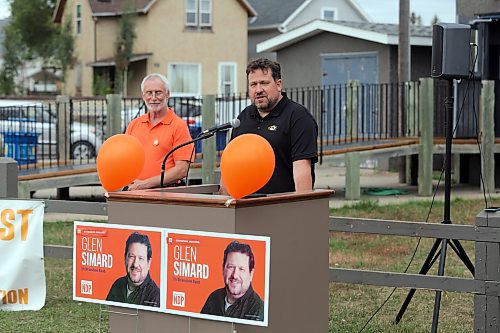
column 207, row 195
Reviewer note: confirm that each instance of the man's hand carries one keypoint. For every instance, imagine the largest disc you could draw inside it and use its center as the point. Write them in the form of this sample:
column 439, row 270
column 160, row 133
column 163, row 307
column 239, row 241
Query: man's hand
column 139, row 185
column 222, row 187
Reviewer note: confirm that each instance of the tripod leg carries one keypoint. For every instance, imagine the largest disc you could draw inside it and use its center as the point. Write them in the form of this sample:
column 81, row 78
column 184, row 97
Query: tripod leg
column 437, row 299
column 431, row 258
column 460, row 251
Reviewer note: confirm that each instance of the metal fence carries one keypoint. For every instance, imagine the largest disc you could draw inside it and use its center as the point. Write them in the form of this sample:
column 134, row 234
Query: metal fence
column 354, row 112
column 50, row 133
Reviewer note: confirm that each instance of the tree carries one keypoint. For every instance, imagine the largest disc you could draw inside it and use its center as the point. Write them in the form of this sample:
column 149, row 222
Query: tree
column 14, row 53
column 435, row 19
column 124, row 45
column 31, row 34
column 415, row 19
column 63, row 45
column 33, row 22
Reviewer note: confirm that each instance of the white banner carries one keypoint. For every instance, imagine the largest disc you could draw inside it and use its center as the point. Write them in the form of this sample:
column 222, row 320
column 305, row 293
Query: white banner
column 22, row 277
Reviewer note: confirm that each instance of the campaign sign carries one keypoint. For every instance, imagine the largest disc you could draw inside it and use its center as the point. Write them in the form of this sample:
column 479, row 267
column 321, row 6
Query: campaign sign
column 117, row 265
column 217, row 276
column 22, row 276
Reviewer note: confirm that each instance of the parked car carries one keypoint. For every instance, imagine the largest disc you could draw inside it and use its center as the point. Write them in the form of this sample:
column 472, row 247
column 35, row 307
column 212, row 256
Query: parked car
column 18, row 116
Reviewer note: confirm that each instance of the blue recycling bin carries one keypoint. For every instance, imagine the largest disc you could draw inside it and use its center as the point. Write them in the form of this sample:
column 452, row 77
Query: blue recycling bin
column 220, row 139
column 20, row 146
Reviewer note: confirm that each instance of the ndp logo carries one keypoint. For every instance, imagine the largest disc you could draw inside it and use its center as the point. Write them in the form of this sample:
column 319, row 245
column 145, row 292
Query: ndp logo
column 178, row 299
column 86, row 287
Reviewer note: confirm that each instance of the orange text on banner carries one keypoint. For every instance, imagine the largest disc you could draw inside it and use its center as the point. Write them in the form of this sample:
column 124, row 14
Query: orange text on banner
column 7, row 216
column 19, row 296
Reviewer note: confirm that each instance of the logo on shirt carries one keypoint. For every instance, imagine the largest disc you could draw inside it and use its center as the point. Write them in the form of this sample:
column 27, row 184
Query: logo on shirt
column 178, row 299
column 273, row 128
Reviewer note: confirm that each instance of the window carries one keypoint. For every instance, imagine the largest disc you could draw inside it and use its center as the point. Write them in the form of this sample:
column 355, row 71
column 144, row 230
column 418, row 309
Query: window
column 329, row 14
column 227, row 78
column 78, row 19
column 199, row 13
column 78, row 76
column 184, row 79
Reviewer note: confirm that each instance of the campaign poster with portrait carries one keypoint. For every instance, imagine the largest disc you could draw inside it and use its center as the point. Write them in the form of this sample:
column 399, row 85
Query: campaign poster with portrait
column 117, row 265
column 217, row 276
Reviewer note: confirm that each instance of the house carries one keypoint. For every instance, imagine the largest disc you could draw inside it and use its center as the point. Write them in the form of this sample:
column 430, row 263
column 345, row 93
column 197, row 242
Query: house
column 339, row 51
column 275, row 17
column 484, row 17
column 200, row 45
column 43, row 82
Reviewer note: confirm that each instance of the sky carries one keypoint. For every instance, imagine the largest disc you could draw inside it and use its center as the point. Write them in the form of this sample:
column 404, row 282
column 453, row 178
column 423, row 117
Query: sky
column 383, row 11
column 4, row 9
column 387, row 11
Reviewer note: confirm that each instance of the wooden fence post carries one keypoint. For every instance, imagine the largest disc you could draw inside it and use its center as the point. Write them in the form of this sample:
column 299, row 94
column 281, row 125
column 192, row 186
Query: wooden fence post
column 487, row 268
column 352, row 174
column 8, row 176
column 63, row 109
column 352, row 110
column 114, row 115
column 208, row 147
column 426, row 146
column 488, row 135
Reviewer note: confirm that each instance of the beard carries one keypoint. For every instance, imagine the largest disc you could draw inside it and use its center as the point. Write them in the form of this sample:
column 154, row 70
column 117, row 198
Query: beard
column 135, row 276
column 235, row 288
column 156, row 107
column 264, row 103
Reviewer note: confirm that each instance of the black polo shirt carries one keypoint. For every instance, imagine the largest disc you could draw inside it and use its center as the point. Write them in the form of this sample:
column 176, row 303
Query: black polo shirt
column 292, row 132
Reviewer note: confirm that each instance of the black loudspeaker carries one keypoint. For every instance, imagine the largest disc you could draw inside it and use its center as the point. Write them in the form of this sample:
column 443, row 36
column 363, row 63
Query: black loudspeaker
column 450, row 51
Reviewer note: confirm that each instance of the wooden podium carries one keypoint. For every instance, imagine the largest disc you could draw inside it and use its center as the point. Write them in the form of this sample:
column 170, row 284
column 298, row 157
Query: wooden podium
column 297, row 224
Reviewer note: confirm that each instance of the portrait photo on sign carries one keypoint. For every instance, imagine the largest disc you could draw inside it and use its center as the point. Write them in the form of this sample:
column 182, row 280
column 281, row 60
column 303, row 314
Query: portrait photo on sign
column 118, row 265
column 218, row 276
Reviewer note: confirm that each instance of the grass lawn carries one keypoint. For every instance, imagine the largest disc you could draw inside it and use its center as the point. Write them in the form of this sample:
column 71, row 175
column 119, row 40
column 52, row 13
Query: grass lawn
column 60, row 314
column 350, row 305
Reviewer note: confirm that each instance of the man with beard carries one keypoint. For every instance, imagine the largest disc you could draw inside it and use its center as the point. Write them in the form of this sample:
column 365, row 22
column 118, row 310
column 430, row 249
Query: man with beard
column 288, row 126
column 136, row 287
column 159, row 130
column 237, row 299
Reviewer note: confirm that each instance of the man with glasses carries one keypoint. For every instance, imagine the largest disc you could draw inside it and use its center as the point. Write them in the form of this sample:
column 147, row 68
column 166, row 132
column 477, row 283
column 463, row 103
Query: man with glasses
column 160, row 130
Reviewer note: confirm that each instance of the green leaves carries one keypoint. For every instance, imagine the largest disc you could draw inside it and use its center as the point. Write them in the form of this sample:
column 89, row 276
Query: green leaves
column 31, row 34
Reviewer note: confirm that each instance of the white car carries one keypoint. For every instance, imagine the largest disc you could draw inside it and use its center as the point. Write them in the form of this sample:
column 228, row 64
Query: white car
column 28, row 118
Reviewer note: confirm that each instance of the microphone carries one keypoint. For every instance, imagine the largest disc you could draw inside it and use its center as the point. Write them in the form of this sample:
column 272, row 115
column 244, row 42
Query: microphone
column 234, row 123
column 201, row 136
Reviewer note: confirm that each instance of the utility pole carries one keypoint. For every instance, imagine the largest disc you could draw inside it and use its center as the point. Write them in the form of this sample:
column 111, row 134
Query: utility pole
column 404, row 62
column 404, row 59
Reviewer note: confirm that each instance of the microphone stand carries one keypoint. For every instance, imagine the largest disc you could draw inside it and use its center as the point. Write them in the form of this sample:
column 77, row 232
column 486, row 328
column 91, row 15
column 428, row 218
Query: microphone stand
column 202, row 136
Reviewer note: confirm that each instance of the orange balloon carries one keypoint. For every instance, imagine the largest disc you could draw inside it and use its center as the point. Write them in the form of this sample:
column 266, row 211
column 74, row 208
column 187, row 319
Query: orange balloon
column 247, row 164
column 120, row 161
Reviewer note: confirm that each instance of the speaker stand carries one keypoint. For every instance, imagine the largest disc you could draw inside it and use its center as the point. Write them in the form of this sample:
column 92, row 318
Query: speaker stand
column 435, row 252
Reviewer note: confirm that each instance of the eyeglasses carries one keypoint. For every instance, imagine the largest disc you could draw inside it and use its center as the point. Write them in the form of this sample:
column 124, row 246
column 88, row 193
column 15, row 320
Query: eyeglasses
column 157, row 93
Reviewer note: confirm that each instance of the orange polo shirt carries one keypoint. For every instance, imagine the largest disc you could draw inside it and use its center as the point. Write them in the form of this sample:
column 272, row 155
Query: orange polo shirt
column 157, row 141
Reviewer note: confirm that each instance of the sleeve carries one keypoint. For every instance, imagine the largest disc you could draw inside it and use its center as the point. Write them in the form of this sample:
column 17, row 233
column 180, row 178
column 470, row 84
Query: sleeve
column 304, row 137
column 181, row 135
